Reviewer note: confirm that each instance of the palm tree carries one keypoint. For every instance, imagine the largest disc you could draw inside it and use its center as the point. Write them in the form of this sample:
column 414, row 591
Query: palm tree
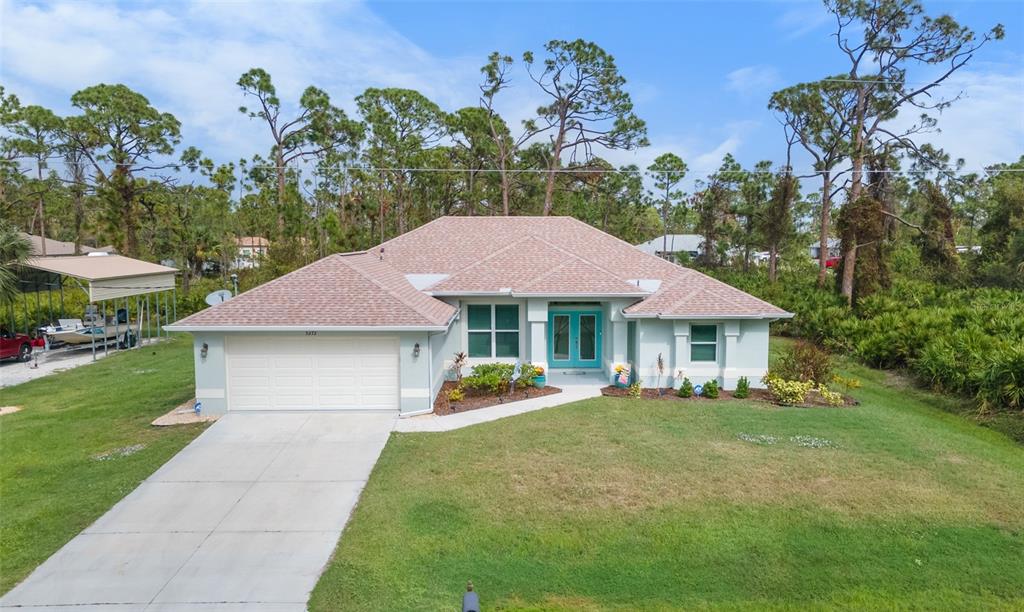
column 14, row 250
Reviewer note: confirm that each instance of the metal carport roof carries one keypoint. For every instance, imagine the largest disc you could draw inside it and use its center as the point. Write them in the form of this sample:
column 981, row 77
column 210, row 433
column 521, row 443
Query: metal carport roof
column 108, row 276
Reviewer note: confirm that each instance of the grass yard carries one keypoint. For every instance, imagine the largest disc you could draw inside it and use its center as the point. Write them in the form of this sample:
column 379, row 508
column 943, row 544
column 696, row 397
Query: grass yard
column 627, row 504
column 67, row 457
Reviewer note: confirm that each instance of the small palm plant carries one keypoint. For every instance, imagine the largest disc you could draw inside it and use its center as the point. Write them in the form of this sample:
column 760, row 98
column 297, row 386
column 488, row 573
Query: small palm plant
column 14, row 251
column 661, row 371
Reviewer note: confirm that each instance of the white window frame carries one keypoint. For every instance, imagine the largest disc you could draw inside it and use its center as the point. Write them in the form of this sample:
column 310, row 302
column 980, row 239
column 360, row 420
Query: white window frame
column 494, row 330
column 703, row 343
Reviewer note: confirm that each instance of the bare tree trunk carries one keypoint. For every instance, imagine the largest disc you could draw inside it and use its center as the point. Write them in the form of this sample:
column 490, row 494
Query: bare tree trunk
column 826, row 205
column 856, row 181
column 40, row 210
column 504, row 189
column 664, row 227
column 556, row 161
column 279, row 162
column 773, row 261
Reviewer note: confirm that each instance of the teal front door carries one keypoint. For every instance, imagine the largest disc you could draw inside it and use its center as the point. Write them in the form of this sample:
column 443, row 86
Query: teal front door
column 574, row 339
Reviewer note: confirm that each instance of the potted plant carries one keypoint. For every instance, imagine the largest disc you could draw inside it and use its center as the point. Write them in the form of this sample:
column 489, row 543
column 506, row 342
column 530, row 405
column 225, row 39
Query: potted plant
column 621, row 378
column 539, row 380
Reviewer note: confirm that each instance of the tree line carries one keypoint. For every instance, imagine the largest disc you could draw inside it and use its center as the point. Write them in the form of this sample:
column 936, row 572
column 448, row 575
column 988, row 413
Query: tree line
column 116, row 169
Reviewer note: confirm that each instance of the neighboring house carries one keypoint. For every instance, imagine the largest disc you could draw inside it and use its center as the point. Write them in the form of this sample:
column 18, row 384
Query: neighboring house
column 59, row 247
column 835, row 249
column 251, row 251
column 378, row 329
column 691, row 244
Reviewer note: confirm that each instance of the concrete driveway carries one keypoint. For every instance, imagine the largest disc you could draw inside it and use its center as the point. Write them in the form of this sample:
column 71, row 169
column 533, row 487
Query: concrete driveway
column 244, row 518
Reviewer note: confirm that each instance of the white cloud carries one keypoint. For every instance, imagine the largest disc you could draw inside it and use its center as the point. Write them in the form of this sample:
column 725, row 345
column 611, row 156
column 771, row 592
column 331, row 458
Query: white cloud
column 986, row 125
column 802, row 19
column 187, row 57
column 751, row 80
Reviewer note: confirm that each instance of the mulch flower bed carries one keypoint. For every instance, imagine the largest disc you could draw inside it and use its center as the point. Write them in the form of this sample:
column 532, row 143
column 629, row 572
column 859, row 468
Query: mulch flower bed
column 814, row 400
column 472, row 401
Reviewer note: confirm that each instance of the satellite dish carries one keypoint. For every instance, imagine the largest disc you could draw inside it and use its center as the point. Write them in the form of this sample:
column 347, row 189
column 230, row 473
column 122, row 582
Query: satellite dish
column 218, row 297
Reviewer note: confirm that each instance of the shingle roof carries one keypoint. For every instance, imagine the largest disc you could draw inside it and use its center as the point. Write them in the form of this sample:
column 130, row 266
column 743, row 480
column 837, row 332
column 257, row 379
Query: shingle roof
column 472, row 255
column 689, row 293
column 352, row 290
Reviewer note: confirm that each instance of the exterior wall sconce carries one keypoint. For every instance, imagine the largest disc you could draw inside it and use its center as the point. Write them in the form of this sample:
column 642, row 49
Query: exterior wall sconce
column 203, row 351
column 416, row 350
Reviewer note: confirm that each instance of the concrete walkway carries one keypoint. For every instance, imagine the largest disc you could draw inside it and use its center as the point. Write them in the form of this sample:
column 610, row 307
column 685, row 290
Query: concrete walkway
column 244, row 518
column 574, row 387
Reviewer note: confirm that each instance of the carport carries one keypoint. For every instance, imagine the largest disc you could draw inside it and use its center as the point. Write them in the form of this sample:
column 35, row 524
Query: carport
column 139, row 289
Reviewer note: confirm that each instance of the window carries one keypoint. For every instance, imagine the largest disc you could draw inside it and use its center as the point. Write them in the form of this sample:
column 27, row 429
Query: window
column 493, row 330
column 703, row 343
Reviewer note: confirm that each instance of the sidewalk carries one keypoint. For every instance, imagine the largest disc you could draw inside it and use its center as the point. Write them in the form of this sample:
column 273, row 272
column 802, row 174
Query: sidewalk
column 574, row 388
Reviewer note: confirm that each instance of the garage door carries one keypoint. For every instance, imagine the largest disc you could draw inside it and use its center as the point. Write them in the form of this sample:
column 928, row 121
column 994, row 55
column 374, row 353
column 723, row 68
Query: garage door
column 312, row 373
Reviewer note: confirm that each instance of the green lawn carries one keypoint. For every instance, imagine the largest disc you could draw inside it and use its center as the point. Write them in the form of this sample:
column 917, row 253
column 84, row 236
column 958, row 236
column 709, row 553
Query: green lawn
column 53, row 479
column 630, row 504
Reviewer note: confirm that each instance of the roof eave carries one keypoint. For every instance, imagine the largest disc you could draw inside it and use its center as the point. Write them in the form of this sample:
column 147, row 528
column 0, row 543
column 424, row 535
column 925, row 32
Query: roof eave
column 533, row 295
column 659, row 315
column 174, row 327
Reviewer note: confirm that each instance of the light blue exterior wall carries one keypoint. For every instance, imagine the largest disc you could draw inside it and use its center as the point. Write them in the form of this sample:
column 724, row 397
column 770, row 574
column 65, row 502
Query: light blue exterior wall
column 211, row 374
column 415, row 395
column 742, row 350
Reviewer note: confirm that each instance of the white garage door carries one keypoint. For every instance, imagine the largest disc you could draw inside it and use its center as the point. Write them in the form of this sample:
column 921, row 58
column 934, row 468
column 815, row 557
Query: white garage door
column 312, row 373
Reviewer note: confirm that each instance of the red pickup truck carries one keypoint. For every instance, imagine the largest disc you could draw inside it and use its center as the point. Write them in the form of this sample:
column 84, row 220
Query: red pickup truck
column 15, row 346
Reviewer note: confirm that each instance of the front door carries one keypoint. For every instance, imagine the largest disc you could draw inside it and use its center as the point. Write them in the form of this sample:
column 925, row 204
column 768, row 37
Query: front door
column 574, row 339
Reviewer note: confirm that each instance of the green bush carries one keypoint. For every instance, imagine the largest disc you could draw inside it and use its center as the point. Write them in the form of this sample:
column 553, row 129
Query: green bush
column 787, row 392
column 710, row 389
column 831, row 397
column 496, row 377
column 958, row 340
column 742, row 388
column 805, row 362
column 685, row 389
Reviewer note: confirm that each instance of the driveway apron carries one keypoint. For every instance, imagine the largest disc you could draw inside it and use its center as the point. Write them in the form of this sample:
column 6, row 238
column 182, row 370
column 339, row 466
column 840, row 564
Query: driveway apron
column 244, row 518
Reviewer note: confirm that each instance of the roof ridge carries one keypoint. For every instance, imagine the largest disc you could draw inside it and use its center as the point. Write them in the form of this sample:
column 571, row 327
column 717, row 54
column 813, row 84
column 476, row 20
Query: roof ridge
column 393, row 293
column 412, row 231
column 479, row 262
column 623, row 242
column 587, row 261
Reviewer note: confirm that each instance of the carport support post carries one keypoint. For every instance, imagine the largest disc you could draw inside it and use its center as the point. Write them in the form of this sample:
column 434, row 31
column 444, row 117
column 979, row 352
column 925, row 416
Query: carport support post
column 149, row 321
column 174, row 303
column 25, row 302
column 60, row 283
column 106, row 345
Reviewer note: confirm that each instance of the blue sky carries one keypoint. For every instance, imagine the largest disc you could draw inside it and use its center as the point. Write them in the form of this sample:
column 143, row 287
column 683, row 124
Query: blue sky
column 700, row 72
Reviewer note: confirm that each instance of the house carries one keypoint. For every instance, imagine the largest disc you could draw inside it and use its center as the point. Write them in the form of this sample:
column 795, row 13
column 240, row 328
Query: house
column 668, row 246
column 378, row 329
column 60, row 247
column 835, row 249
column 251, row 251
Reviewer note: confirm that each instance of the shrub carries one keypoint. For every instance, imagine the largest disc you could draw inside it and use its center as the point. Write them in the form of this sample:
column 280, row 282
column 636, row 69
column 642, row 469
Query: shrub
column 710, row 389
column 458, row 362
column 635, row 390
column 805, row 362
column 787, row 392
column 457, row 394
column 496, row 377
column 831, row 398
column 742, row 388
column 685, row 389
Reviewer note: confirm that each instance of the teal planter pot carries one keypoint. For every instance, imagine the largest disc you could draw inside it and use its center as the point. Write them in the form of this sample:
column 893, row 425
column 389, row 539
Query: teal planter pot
column 540, row 381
